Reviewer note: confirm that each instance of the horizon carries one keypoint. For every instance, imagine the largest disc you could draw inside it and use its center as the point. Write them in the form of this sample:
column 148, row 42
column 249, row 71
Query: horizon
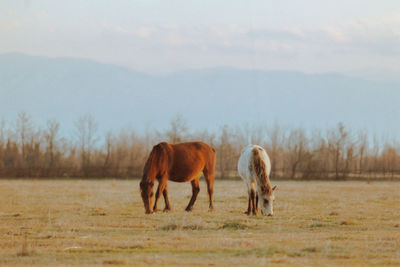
column 220, row 79
column 217, row 67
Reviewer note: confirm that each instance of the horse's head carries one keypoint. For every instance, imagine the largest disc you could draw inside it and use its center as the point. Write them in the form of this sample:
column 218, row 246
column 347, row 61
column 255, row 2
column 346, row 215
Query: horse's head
column 266, row 200
column 146, row 190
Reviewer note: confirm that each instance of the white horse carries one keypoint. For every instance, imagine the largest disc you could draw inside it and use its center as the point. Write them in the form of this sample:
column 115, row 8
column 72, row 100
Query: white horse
column 254, row 167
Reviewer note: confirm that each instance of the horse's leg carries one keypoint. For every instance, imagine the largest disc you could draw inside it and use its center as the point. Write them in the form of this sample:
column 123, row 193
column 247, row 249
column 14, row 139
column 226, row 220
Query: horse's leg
column 162, row 183
column 248, row 212
column 253, row 198
column 165, row 194
column 256, row 202
column 157, row 196
column 209, row 176
column 195, row 192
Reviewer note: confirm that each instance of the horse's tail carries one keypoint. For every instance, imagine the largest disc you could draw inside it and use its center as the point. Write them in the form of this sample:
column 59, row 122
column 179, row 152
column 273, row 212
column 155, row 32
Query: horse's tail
column 259, row 168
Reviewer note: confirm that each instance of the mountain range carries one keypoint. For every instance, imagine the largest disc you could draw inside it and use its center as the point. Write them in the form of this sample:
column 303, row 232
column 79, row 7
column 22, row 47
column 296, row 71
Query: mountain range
column 66, row 88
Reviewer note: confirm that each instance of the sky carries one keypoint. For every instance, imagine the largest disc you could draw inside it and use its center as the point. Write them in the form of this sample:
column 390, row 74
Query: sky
column 357, row 37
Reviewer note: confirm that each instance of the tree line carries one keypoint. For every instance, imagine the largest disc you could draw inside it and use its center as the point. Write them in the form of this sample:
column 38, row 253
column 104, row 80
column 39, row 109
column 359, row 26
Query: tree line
column 338, row 153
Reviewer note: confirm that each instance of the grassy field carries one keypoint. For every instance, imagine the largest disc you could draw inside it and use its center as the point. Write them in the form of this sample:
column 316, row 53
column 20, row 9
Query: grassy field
column 102, row 222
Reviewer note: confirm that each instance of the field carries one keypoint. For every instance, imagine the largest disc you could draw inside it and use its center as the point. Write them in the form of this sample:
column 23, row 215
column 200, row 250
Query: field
column 102, row 222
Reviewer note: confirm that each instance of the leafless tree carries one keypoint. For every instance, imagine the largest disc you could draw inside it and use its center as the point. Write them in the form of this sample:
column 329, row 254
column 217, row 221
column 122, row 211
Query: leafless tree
column 349, row 159
column 86, row 134
column 24, row 129
column 224, row 152
column 276, row 140
column 362, row 146
column 26, row 150
column 51, row 136
column 205, row 136
column 2, row 144
column 2, row 133
column 178, row 129
column 297, row 149
column 108, row 142
column 337, row 139
column 375, row 168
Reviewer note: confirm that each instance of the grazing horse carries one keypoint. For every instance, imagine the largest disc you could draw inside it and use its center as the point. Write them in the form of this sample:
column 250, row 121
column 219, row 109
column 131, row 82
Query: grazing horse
column 254, row 167
column 183, row 162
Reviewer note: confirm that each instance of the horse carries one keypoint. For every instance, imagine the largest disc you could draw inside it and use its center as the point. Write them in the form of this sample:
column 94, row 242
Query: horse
column 254, row 167
column 183, row 162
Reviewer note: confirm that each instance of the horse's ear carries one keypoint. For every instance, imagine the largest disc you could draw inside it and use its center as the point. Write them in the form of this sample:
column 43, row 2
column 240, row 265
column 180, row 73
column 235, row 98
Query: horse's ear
column 273, row 188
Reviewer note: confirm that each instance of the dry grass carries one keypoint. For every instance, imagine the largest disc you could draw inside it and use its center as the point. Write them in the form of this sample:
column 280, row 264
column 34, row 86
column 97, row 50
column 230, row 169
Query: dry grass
column 72, row 223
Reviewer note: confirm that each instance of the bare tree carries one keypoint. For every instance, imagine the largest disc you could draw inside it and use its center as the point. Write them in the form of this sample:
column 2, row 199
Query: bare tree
column 10, row 158
column 26, row 150
column 24, row 131
column 205, row 136
column 137, row 155
column 337, row 139
column 389, row 157
column 86, row 129
column 108, row 143
column 178, row 129
column 276, row 138
column 2, row 144
column 51, row 135
column 2, row 133
column 224, row 152
column 121, row 154
column 362, row 146
column 348, row 161
column 376, row 149
column 297, row 148
column 250, row 135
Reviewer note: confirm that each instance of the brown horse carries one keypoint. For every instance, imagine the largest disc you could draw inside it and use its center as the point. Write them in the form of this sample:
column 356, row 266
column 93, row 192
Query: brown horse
column 179, row 163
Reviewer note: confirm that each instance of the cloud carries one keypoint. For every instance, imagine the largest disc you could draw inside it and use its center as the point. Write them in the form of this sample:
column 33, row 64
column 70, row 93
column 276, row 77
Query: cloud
column 343, row 46
column 145, row 31
column 373, row 36
column 121, row 30
column 276, row 34
column 335, row 34
column 352, row 44
column 42, row 14
column 224, row 39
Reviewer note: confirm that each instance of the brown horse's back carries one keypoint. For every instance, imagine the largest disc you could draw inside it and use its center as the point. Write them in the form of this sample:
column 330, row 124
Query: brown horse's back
column 189, row 161
column 179, row 162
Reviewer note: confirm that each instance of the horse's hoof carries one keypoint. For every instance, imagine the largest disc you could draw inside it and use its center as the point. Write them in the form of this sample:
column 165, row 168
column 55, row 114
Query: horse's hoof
column 210, row 209
column 166, row 210
column 188, row 209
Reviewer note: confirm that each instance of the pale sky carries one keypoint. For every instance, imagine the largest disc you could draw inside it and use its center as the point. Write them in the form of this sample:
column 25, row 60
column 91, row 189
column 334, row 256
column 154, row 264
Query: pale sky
column 360, row 37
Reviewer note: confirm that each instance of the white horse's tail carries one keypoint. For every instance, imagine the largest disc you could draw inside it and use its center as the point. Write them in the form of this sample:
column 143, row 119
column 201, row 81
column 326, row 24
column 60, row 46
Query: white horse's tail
column 259, row 168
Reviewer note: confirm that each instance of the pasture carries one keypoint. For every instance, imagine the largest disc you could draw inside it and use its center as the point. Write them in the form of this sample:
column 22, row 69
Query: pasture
column 102, row 222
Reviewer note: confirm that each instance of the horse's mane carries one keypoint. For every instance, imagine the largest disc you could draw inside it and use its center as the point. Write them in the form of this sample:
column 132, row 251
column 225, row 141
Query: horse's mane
column 258, row 166
column 154, row 160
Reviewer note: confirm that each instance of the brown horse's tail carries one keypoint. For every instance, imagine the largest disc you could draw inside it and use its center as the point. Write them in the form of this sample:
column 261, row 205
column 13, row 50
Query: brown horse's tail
column 259, row 169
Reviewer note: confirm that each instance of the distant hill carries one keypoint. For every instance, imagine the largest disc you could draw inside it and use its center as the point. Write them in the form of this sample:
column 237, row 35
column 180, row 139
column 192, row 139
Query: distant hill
column 65, row 88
